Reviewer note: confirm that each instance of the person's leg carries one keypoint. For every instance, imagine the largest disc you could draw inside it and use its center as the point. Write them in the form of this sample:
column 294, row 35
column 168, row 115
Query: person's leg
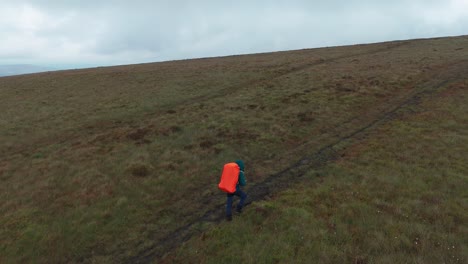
column 242, row 196
column 229, row 206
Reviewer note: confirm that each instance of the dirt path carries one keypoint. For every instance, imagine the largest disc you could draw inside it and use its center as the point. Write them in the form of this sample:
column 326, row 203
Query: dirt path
column 316, row 160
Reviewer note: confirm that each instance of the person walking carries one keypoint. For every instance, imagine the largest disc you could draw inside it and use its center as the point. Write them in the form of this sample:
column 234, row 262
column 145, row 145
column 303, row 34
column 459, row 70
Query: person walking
column 238, row 192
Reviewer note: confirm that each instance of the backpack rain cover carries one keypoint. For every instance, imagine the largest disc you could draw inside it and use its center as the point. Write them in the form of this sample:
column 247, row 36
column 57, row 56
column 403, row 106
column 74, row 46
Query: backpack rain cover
column 229, row 177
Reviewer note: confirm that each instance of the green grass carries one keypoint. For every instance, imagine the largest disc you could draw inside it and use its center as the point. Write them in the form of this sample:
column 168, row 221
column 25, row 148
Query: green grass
column 398, row 196
column 102, row 164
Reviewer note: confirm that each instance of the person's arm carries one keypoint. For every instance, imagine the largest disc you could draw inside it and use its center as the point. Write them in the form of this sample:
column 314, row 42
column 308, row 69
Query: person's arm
column 242, row 181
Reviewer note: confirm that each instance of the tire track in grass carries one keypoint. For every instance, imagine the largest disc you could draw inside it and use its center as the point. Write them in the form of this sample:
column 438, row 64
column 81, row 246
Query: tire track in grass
column 294, row 173
column 270, row 79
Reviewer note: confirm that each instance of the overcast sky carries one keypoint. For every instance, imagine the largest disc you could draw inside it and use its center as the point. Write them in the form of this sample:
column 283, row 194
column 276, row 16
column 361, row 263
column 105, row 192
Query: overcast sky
column 81, row 33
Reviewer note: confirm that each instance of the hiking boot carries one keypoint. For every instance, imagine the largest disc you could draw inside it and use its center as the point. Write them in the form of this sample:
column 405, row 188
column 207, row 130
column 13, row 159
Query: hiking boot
column 229, row 217
column 239, row 210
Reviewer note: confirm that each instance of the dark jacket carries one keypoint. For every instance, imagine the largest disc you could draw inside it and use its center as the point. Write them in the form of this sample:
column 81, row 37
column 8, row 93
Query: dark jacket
column 242, row 180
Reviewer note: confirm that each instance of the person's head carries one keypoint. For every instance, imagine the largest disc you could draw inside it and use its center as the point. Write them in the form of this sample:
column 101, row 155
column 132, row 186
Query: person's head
column 241, row 164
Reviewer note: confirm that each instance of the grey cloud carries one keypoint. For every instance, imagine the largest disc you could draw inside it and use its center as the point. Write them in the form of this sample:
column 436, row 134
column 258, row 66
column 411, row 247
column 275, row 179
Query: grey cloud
column 116, row 32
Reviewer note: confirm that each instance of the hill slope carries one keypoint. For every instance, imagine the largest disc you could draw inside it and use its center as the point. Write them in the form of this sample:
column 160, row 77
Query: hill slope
column 121, row 163
column 16, row 69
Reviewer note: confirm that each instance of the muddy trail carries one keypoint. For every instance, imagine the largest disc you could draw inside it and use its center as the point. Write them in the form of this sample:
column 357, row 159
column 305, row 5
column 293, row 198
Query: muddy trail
column 353, row 131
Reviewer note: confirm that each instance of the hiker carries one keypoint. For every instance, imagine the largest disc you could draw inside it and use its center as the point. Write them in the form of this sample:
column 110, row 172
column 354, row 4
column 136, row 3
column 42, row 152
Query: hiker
column 228, row 181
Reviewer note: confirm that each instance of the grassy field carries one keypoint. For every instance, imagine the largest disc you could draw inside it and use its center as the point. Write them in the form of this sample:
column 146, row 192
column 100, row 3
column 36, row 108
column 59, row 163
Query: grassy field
column 398, row 196
column 121, row 164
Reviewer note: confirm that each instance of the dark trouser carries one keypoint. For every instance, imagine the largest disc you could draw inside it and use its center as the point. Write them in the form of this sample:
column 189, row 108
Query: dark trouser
column 239, row 193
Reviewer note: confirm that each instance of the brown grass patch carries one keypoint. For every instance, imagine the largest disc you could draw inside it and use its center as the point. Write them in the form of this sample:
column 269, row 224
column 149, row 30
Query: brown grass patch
column 139, row 168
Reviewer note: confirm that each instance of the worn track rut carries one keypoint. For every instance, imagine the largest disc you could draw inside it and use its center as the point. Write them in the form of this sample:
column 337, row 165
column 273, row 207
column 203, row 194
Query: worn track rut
column 314, row 161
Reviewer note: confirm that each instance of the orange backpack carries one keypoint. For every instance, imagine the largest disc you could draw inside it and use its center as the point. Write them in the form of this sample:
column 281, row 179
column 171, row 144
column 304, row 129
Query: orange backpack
column 229, row 177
